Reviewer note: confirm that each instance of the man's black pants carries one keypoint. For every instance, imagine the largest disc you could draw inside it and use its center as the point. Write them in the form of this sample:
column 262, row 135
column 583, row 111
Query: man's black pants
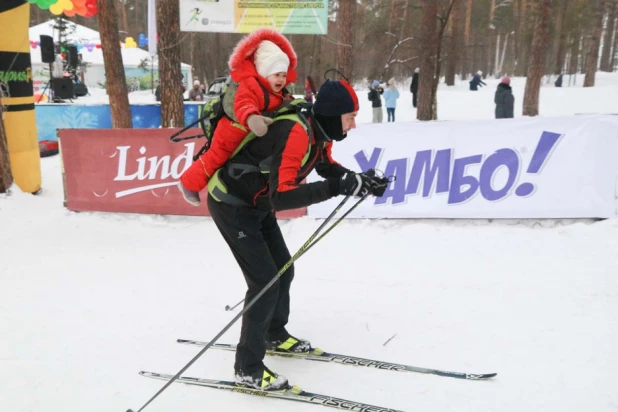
column 256, row 241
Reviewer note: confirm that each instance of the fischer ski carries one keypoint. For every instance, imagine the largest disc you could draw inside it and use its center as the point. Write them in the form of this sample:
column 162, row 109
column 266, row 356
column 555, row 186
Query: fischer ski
column 293, row 393
column 321, row 356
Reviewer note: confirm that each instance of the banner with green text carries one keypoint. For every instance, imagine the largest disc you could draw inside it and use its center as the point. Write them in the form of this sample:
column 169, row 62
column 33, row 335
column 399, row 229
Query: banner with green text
column 245, row 16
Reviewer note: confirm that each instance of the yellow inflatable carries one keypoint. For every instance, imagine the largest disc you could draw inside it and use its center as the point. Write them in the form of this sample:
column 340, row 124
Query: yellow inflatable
column 16, row 84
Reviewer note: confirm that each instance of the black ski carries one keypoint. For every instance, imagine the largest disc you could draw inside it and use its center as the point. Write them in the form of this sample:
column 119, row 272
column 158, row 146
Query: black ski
column 320, row 356
column 293, row 393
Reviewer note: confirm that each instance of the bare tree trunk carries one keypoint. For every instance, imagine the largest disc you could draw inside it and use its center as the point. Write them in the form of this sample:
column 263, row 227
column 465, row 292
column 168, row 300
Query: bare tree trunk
column 6, row 177
column 593, row 42
column 574, row 52
column 467, row 66
column 361, row 15
column 536, row 67
column 606, row 57
column 614, row 49
column 522, row 44
column 428, row 38
column 122, row 14
column 404, row 18
column 444, row 18
column 170, row 76
column 455, row 43
column 316, row 61
column 345, row 19
column 490, row 39
column 314, row 46
column 114, row 69
column 198, row 54
column 561, row 37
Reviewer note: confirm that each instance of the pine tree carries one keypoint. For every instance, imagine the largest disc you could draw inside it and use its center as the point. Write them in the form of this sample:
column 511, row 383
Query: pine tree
column 455, row 42
column 536, row 66
column 606, row 57
column 170, row 76
column 114, row 68
column 345, row 19
column 428, row 38
column 593, row 41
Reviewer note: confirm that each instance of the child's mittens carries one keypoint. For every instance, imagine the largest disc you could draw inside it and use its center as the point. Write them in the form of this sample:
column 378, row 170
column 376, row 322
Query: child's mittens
column 259, row 124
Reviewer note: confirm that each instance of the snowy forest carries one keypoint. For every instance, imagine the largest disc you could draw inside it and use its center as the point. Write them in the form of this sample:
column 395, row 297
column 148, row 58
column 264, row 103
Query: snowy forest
column 382, row 39
column 385, row 38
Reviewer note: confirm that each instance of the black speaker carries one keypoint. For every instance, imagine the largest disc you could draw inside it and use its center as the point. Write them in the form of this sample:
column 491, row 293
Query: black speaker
column 72, row 57
column 80, row 89
column 63, row 88
column 47, row 48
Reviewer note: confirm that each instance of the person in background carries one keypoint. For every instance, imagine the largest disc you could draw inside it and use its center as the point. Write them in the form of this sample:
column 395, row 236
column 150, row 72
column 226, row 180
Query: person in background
column 504, row 99
column 376, row 101
column 558, row 82
column 157, row 91
column 196, row 94
column 476, row 81
column 309, row 89
column 414, row 86
column 391, row 94
column 58, row 67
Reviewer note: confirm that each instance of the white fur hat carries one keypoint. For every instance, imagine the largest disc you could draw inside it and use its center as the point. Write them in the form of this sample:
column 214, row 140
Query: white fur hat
column 270, row 59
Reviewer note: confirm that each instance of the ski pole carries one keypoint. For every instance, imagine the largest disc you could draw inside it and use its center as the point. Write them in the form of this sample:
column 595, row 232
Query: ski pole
column 228, row 308
column 248, row 306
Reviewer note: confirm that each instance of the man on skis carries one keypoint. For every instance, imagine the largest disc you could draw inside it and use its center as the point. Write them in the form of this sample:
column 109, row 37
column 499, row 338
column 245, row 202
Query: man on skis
column 264, row 176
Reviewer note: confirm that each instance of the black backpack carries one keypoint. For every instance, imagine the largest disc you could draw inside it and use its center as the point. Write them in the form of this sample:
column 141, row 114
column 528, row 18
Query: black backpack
column 215, row 110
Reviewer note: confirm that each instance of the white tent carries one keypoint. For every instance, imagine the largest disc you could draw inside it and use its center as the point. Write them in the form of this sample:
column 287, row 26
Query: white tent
column 95, row 73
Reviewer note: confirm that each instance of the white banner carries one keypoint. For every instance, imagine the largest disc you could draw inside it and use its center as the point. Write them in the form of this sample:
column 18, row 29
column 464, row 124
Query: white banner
column 521, row 168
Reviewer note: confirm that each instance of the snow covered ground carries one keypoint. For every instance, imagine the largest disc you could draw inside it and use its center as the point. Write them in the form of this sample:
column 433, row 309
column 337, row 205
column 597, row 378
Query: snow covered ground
column 459, row 103
column 90, row 299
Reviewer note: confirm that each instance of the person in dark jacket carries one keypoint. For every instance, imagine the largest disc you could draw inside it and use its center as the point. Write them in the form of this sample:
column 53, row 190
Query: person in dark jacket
column 376, row 101
column 157, row 91
column 414, row 86
column 476, row 81
column 558, row 82
column 504, row 99
column 263, row 177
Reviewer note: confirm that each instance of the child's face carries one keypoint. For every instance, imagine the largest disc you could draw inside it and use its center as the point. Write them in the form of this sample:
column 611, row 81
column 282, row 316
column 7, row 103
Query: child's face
column 277, row 81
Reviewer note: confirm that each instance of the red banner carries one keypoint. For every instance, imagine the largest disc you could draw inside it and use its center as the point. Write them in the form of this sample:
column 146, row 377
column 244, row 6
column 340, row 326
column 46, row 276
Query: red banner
column 130, row 171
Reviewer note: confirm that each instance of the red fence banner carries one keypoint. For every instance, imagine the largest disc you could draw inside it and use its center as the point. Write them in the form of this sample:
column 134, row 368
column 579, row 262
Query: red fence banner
column 130, row 171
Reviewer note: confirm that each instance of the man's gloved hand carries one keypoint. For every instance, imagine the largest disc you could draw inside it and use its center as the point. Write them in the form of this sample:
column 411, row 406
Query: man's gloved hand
column 378, row 184
column 352, row 184
column 259, row 124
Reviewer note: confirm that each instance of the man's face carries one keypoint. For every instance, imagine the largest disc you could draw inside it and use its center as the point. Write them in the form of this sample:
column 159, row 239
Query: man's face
column 277, row 81
column 348, row 121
